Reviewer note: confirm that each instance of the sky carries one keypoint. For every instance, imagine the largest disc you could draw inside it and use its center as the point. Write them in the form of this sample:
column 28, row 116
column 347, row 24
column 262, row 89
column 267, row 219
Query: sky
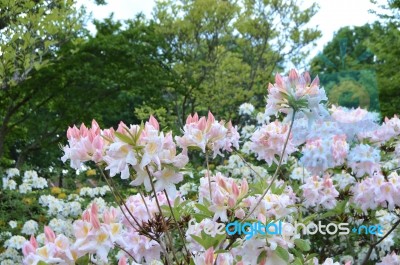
column 332, row 15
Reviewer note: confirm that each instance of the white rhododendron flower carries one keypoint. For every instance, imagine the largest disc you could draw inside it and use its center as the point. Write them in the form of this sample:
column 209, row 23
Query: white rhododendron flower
column 246, row 109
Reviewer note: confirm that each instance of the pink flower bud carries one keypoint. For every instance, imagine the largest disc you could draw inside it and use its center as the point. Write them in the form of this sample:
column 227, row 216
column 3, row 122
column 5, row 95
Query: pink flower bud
column 33, row 241
column 209, row 256
column 27, row 248
column 154, row 122
column 235, row 190
column 231, row 202
column 239, row 213
column 50, row 236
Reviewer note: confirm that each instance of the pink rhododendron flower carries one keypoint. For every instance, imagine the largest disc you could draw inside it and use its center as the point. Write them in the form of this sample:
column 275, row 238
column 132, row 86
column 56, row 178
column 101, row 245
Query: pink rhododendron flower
column 319, row 191
column 206, row 258
column 273, row 206
column 364, row 159
column 226, row 192
column 85, row 144
column 374, row 191
column 323, row 153
column 268, row 142
column 354, row 121
column 390, row 128
column 294, row 91
column 146, row 150
column 208, row 134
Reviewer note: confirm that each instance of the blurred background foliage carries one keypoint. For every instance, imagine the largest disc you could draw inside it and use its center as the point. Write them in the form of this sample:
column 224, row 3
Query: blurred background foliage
column 191, row 56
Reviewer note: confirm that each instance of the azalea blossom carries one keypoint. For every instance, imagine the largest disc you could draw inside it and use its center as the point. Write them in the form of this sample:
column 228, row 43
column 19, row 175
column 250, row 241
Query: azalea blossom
column 85, row 144
column 364, row 159
column 295, row 91
column 268, row 142
column 246, row 109
column 319, row 191
column 207, row 133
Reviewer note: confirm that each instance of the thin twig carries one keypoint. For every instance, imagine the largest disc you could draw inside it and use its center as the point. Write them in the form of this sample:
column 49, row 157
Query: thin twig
column 145, row 204
column 393, row 169
column 112, row 188
column 247, row 164
column 179, row 229
column 121, row 248
column 371, row 246
column 276, row 171
column 162, row 216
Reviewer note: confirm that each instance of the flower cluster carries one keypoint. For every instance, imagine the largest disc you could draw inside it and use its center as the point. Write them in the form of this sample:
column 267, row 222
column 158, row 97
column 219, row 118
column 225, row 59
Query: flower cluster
column 246, row 109
column 60, row 208
column 364, row 159
column 354, row 122
column 30, row 181
column 319, row 191
column 97, row 234
column 375, row 190
column 236, row 167
column 85, row 144
column 226, row 194
column 329, row 157
column 267, row 142
column 272, row 206
column 323, row 153
column 30, row 227
column 94, row 192
column 208, row 134
column 295, row 92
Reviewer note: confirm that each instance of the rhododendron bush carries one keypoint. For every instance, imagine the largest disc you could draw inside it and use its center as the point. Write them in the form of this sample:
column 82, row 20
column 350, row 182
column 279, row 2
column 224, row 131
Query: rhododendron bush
column 300, row 161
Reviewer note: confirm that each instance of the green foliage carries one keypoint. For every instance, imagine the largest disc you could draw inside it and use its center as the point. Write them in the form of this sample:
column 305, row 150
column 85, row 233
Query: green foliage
column 224, row 52
column 29, row 31
column 346, row 69
column 31, row 34
column 365, row 59
column 193, row 56
column 21, row 207
column 105, row 77
column 385, row 43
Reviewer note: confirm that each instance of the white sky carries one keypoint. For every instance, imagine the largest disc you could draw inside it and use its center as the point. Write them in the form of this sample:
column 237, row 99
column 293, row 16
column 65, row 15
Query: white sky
column 332, row 15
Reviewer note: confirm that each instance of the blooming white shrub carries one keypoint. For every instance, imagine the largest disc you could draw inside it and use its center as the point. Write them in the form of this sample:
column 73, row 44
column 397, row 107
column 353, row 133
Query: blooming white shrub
column 30, row 227
column 246, row 109
column 94, row 192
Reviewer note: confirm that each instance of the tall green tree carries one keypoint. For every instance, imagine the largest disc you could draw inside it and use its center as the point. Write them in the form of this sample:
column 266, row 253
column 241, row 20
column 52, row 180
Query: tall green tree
column 385, row 43
column 105, row 78
column 347, row 68
column 224, row 52
column 30, row 34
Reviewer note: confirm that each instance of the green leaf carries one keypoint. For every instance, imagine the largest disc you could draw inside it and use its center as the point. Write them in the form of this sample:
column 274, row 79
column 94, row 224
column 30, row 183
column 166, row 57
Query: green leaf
column 309, row 218
column 124, row 138
column 204, row 209
column 218, row 239
column 340, row 207
column 311, row 256
column 83, row 260
column 262, row 256
column 200, row 216
column 297, row 261
column 302, row 244
column 328, row 214
column 210, row 241
column 42, row 263
column 199, row 240
column 282, row 253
